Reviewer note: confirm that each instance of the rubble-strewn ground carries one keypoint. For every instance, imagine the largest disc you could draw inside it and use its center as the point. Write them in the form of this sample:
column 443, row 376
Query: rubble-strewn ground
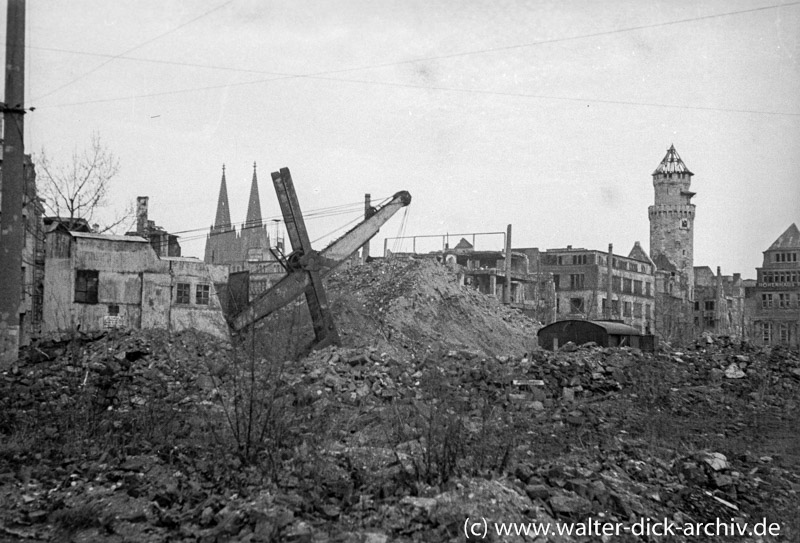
column 436, row 409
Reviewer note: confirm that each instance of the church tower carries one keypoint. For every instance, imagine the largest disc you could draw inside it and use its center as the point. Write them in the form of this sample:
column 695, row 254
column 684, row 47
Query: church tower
column 253, row 236
column 672, row 219
column 221, row 241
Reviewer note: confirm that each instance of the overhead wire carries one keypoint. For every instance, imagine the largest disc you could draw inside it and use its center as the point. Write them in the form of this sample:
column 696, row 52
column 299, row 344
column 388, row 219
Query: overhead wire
column 132, row 49
column 324, row 75
column 435, row 57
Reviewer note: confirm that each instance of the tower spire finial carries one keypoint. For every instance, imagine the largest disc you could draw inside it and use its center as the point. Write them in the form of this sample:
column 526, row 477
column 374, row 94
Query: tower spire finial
column 254, row 205
column 222, row 221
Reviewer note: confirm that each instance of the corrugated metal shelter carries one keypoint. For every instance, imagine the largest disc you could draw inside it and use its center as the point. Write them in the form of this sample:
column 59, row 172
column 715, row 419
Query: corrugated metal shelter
column 604, row 333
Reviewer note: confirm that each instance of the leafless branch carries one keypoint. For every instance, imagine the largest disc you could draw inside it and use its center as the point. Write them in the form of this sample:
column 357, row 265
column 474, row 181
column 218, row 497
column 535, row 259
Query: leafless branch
column 79, row 189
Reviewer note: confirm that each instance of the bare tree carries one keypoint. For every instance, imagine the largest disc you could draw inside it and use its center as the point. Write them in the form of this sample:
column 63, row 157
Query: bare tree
column 78, row 189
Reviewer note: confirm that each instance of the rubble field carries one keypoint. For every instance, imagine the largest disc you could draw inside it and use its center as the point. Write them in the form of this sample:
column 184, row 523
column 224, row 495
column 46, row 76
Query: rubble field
column 437, row 408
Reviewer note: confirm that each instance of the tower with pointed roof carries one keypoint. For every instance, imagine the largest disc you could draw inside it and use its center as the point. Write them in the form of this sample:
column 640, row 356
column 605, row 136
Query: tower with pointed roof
column 672, row 217
column 246, row 249
column 672, row 245
column 222, row 242
column 254, row 238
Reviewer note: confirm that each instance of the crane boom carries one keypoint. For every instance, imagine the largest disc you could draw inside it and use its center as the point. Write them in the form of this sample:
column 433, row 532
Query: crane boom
column 304, row 265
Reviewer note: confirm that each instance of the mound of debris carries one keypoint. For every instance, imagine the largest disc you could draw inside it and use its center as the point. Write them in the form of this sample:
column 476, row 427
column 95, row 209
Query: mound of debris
column 419, row 304
column 436, row 410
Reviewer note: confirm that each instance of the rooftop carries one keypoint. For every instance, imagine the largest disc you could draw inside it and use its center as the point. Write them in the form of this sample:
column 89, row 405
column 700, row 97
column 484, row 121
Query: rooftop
column 672, row 163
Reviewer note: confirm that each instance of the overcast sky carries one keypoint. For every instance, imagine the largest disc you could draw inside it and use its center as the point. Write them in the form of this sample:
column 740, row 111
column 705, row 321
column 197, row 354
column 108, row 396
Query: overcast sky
column 548, row 115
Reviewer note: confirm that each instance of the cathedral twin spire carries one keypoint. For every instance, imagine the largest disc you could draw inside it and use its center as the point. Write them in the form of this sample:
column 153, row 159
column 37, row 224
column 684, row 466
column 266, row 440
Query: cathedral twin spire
column 222, row 221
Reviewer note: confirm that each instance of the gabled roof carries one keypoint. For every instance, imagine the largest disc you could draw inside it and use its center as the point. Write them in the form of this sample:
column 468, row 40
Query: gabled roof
column 788, row 240
column 672, row 163
column 463, row 244
column 637, row 253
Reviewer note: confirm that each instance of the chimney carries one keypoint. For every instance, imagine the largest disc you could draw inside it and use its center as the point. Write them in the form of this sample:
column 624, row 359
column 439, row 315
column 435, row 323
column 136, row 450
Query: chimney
column 141, row 215
column 609, row 290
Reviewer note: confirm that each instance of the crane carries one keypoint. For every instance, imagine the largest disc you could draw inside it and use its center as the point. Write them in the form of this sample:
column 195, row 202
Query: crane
column 305, row 267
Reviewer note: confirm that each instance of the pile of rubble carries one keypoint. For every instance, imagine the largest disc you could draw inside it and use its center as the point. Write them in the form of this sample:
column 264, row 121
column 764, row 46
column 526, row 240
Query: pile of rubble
column 438, row 408
column 419, row 304
column 119, row 370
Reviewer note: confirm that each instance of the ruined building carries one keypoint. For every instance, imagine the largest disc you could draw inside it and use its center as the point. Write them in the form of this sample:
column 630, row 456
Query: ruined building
column 719, row 303
column 671, row 247
column 529, row 290
column 163, row 243
column 581, row 279
column 774, row 303
column 97, row 281
column 245, row 252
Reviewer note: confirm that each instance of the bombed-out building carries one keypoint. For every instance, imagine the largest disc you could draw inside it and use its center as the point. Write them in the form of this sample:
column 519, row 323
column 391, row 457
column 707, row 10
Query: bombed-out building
column 774, row 302
column 96, row 281
column 586, row 279
column 719, row 303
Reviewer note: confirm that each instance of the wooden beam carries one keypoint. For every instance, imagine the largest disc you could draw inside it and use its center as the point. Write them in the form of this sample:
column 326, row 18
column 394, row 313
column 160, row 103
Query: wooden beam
column 324, row 327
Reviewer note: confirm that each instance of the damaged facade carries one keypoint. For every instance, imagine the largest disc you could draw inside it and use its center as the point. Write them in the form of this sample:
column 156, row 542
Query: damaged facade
column 95, row 281
column 719, row 303
column 775, row 300
column 581, row 278
column 163, row 243
column 530, row 291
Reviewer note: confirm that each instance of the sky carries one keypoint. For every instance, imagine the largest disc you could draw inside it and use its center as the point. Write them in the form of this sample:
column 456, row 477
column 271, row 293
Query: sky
column 547, row 115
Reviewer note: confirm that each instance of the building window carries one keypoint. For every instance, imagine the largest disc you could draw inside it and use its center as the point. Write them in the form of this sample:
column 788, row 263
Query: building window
column 709, row 322
column 615, row 307
column 576, row 280
column 766, row 332
column 783, row 300
column 647, row 289
column 556, row 279
column 627, row 309
column 580, row 259
column 647, row 311
column 576, row 305
column 766, row 301
column 627, row 285
column 86, row 282
column 113, row 310
column 203, row 292
column 183, row 293
column 697, row 306
column 783, row 332
column 637, row 287
column 637, row 310
column 709, row 305
column 684, row 224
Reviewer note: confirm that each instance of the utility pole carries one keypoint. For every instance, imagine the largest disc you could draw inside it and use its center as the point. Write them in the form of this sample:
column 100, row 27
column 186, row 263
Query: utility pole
column 12, row 225
column 507, row 291
column 367, row 214
column 609, row 281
